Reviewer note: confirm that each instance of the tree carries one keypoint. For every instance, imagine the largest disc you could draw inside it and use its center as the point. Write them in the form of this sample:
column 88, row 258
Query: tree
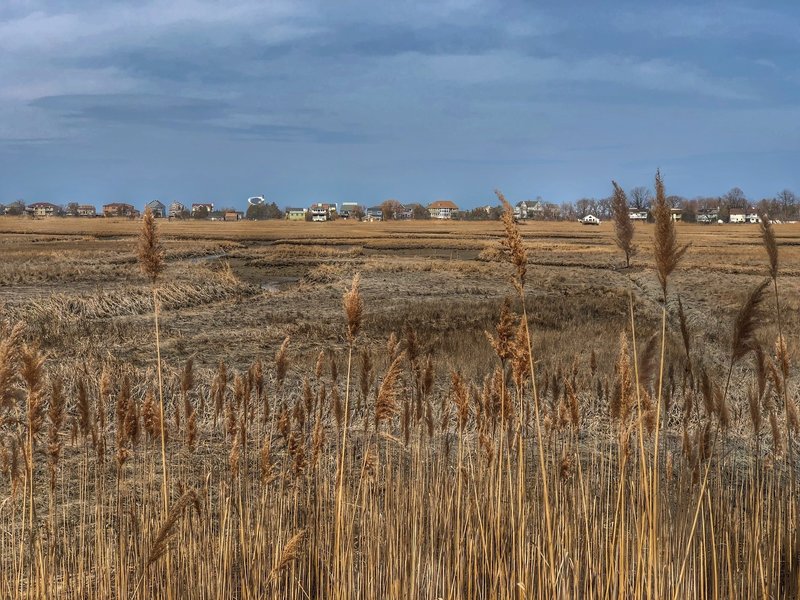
column 16, row 208
column 641, row 198
column 735, row 198
column 788, row 203
column 675, row 201
column 357, row 213
column 420, row 212
column 391, row 209
column 261, row 212
column 72, row 209
column 200, row 213
column 584, row 207
column 623, row 226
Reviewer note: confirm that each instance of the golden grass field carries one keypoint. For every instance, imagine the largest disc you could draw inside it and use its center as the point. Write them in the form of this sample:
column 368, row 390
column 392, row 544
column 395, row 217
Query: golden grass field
column 413, row 461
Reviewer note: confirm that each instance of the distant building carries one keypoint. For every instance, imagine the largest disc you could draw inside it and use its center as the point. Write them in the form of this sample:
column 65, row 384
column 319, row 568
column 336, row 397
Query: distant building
column 119, row 209
column 177, row 210
column 233, row 215
column 638, row 214
column 375, row 213
column 590, row 220
column 676, row 214
column 87, row 210
column 349, row 208
column 442, row 209
column 737, row 215
column 295, row 214
column 707, row 215
column 527, row 209
column 43, row 209
column 157, row 208
column 753, row 218
column 208, row 208
column 323, row 211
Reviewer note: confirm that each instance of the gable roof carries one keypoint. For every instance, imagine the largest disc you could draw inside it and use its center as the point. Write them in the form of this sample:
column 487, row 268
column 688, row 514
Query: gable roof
column 443, row 204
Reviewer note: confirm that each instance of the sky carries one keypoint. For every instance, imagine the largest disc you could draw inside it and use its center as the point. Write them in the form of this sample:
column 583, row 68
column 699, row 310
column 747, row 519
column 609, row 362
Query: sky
column 332, row 101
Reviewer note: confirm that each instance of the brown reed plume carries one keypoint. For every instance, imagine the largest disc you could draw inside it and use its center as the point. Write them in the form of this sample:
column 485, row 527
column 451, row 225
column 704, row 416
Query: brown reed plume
column 666, row 250
column 747, row 319
column 281, row 362
column 513, row 248
column 169, row 528
column 55, row 416
column 386, row 403
column 291, row 552
column 9, row 354
column 150, row 252
column 623, row 226
column 503, row 343
column 353, row 309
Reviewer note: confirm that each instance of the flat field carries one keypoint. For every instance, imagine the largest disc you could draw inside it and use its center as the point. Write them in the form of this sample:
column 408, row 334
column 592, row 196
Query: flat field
column 235, row 290
column 419, row 459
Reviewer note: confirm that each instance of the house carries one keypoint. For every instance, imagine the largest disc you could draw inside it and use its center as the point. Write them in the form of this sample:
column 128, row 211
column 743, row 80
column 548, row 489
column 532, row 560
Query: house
column 119, row 209
column 295, row 214
column 87, row 210
column 349, row 209
column 233, row 215
column 157, row 208
column 43, row 209
column 442, row 209
column 177, row 210
column 323, row 211
column 202, row 208
column 637, row 214
column 404, row 212
column 753, row 218
column 676, row 214
column 528, row 209
column 589, row 220
column 707, row 215
column 375, row 213
column 737, row 215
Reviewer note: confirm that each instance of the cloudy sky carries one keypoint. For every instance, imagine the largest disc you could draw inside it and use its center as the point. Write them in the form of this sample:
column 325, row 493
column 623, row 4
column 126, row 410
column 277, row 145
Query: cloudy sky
column 212, row 100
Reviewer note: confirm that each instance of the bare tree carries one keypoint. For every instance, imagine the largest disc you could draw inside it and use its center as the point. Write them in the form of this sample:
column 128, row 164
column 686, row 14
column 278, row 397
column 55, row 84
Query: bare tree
column 641, row 198
column 623, row 226
column 735, row 198
column 788, row 202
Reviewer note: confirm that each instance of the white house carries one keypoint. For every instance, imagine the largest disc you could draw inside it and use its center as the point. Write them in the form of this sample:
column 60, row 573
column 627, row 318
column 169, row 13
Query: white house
column 737, row 216
column 442, row 209
column 637, row 214
column 590, row 220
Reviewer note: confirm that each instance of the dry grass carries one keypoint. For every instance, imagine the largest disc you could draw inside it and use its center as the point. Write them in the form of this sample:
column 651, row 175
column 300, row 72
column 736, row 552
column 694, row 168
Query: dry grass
column 563, row 458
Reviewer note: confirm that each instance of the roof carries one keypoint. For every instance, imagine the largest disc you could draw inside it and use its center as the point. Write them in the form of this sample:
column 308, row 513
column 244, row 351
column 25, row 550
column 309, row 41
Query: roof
column 443, row 204
column 119, row 204
column 42, row 205
column 295, row 210
column 155, row 203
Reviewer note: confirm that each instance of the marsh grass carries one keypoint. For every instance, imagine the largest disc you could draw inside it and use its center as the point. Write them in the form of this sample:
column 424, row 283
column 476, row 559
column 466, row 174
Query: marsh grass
column 393, row 470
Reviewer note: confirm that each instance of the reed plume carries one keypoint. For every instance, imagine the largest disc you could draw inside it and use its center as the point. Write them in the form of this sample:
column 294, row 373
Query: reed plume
column 770, row 244
column 290, row 553
column 9, row 354
column 169, row 528
column 353, row 309
column 281, row 362
column 55, row 416
column 666, row 249
column 386, row 403
column 623, row 226
column 149, row 250
column 744, row 329
column 512, row 246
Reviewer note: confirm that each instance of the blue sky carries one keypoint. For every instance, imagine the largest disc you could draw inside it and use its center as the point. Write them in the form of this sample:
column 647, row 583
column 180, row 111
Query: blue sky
column 211, row 100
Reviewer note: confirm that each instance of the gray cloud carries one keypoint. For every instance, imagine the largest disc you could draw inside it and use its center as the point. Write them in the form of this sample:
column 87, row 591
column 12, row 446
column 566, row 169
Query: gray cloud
column 368, row 94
